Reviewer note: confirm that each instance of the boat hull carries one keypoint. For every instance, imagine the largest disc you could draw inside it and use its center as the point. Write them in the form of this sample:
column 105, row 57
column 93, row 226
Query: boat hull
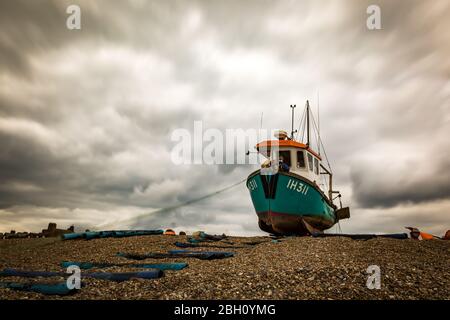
column 287, row 203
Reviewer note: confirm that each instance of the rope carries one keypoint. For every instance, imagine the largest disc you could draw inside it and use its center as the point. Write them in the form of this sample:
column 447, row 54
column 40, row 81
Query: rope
column 186, row 203
column 339, row 226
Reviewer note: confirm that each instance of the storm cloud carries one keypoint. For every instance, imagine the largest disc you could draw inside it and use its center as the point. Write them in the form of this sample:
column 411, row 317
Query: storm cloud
column 86, row 116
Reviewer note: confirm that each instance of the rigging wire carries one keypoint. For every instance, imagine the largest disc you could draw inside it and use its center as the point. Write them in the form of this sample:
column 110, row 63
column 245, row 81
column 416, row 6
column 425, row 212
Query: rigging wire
column 300, row 124
column 318, row 120
column 323, row 147
column 304, row 128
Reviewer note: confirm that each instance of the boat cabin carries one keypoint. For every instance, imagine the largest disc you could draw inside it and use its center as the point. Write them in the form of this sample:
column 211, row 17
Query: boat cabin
column 299, row 157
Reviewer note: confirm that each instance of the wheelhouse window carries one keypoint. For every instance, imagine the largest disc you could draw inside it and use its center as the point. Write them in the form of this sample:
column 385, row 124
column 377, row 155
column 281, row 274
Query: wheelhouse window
column 286, row 155
column 316, row 166
column 310, row 161
column 300, row 159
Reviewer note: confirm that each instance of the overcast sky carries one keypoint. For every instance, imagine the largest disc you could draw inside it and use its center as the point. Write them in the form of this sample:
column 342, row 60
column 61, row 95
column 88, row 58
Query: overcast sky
column 86, row 115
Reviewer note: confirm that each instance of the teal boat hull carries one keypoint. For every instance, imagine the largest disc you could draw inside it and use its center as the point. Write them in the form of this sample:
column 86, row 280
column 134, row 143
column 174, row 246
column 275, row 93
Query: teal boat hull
column 287, row 203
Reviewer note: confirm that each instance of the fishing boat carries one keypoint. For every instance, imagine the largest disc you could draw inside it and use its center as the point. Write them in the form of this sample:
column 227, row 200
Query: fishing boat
column 292, row 192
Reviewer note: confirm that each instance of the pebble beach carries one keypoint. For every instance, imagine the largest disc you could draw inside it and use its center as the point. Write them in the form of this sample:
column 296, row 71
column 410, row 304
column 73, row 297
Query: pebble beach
column 261, row 268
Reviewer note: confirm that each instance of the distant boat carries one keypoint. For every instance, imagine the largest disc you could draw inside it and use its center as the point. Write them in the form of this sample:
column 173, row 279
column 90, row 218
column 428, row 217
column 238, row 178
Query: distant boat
column 287, row 192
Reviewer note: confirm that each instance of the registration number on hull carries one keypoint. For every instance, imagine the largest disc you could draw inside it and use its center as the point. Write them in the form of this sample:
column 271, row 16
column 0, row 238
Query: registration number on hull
column 297, row 186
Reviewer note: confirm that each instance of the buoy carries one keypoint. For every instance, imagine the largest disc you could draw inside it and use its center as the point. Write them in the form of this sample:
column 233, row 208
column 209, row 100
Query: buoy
column 169, row 232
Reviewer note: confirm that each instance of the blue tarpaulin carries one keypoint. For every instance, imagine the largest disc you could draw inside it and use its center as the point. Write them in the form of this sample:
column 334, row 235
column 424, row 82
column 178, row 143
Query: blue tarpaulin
column 160, row 266
column 44, row 288
column 119, row 276
column 199, row 245
column 110, row 234
column 399, row 236
column 203, row 255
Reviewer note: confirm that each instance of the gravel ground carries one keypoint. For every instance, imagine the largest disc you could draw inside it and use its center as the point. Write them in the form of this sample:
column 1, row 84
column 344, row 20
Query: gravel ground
column 293, row 268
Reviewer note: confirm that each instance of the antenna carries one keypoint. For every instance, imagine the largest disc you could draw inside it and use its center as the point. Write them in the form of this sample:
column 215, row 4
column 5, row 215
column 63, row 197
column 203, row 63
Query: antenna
column 292, row 131
column 261, row 124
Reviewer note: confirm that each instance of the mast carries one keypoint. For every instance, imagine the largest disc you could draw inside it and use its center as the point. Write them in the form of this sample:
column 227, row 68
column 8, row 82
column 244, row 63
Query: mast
column 292, row 126
column 307, row 123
